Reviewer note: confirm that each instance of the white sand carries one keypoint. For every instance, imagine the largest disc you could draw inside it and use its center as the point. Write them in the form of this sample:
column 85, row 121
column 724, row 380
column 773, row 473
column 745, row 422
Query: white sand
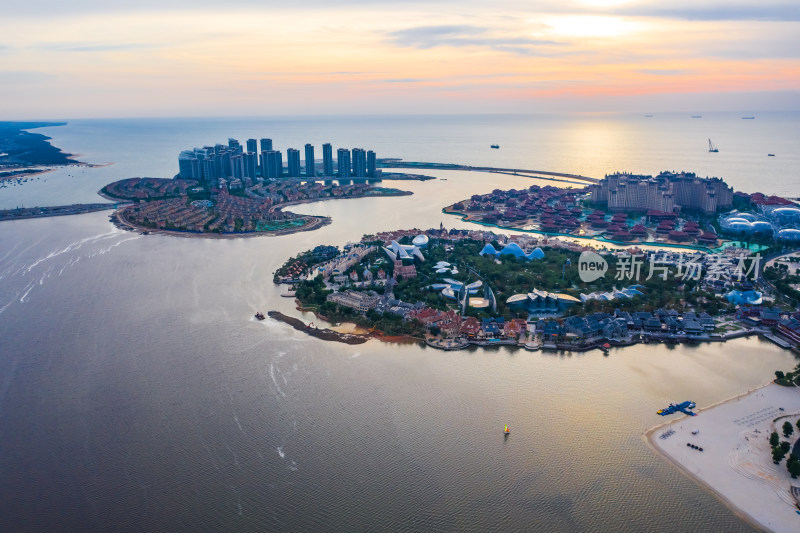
column 736, row 461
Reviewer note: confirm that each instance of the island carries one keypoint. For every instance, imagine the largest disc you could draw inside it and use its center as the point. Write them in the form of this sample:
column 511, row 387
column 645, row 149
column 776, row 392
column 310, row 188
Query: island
column 23, row 153
column 456, row 288
column 226, row 190
column 673, row 208
column 192, row 208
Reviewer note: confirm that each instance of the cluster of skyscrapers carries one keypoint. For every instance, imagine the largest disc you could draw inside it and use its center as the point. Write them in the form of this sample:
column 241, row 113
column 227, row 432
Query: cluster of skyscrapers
column 237, row 162
column 666, row 192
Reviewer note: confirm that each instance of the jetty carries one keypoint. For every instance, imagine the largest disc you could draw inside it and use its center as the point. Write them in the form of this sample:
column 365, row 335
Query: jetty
column 53, row 211
column 320, row 333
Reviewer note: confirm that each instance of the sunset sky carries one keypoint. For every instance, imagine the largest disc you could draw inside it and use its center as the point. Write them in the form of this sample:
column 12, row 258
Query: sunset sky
column 92, row 58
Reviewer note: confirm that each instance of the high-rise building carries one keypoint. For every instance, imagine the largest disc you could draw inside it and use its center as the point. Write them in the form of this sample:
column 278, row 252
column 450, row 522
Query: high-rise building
column 207, row 169
column 271, row 163
column 327, row 159
column 237, row 166
column 263, row 163
column 186, row 165
column 293, row 162
column 343, row 162
column 359, row 163
column 234, row 145
column 310, row 170
column 266, row 145
column 371, row 163
column 252, row 145
column 250, row 163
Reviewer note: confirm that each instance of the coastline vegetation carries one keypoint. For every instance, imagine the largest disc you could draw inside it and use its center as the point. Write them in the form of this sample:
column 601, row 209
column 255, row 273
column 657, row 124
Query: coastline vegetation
column 23, row 148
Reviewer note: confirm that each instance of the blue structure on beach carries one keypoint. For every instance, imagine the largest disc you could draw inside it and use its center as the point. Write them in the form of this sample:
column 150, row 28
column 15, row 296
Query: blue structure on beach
column 683, row 407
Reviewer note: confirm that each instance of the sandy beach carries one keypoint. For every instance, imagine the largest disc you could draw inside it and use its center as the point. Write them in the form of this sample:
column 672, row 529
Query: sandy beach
column 736, row 461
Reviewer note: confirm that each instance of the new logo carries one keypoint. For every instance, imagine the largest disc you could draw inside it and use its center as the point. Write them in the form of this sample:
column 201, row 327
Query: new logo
column 591, row 266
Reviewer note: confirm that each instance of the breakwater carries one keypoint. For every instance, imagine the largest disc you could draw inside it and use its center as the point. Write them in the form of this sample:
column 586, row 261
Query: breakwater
column 323, row 334
column 52, row 211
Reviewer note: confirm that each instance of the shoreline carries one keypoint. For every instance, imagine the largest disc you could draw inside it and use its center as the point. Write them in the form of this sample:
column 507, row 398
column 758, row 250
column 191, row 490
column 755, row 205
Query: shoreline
column 11, row 174
column 331, row 335
column 314, row 222
column 743, row 494
column 604, row 345
column 662, row 245
column 121, row 222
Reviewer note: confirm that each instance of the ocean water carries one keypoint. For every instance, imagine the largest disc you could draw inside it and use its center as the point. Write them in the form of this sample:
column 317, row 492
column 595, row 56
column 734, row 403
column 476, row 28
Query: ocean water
column 590, row 145
column 138, row 393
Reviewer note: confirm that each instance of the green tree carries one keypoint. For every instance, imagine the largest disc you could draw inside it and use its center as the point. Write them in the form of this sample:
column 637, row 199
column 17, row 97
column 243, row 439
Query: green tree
column 777, row 455
column 787, row 429
column 774, row 439
column 779, row 374
column 785, row 447
column 793, row 466
column 798, row 423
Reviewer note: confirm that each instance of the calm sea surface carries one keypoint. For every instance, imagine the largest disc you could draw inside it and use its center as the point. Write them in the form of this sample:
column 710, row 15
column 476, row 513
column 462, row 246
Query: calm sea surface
column 137, row 393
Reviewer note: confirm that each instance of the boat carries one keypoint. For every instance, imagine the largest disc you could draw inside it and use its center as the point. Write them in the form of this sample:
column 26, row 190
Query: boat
column 648, row 116
column 771, row 155
column 748, row 118
column 260, row 315
column 495, row 146
column 711, row 147
column 697, row 116
column 506, row 431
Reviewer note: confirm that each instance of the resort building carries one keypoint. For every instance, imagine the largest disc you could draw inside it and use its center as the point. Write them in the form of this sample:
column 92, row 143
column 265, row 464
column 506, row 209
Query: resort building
column 360, row 301
column 666, row 192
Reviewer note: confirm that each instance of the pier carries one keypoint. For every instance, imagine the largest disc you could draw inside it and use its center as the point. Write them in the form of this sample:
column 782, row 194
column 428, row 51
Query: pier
column 53, row 211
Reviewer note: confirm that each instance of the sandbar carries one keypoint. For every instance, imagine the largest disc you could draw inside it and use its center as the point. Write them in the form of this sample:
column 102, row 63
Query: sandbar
column 736, row 461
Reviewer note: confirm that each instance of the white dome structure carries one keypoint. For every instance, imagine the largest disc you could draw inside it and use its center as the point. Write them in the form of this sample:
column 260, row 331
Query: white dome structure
column 789, row 234
column 420, row 241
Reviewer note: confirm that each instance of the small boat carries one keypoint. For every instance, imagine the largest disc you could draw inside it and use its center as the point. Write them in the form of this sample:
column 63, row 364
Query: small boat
column 506, row 431
column 260, row 315
column 648, row 116
column 495, row 146
column 770, row 155
column 697, row 116
column 748, row 118
column 711, row 147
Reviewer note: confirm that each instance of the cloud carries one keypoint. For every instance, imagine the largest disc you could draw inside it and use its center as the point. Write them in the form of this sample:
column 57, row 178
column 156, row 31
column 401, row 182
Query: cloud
column 94, row 47
column 776, row 11
column 426, row 37
column 664, row 72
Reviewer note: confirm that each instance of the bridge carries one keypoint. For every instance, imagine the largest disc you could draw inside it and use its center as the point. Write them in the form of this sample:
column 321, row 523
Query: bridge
column 399, row 163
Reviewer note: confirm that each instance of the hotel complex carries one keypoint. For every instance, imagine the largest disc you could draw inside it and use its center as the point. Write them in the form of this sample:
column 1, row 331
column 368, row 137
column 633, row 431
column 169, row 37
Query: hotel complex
column 666, row 192
column 233, row 162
